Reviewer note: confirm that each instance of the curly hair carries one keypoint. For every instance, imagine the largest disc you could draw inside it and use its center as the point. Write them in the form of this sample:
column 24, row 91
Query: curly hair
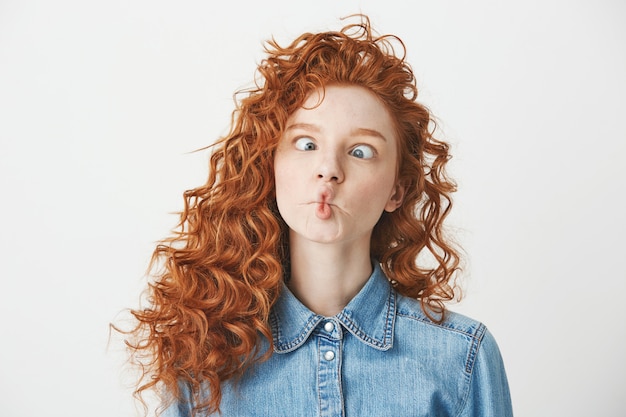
column 221, row 270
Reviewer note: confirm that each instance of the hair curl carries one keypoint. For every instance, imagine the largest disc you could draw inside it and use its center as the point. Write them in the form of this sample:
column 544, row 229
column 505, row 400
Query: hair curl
column 221, row 271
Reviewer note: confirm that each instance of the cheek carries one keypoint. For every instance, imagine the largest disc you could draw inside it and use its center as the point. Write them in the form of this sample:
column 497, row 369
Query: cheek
column 381, row 190
column 370, row 195
column 284, row 181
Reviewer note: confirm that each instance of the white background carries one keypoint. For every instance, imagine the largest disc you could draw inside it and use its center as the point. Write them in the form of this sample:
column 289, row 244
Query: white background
column 101, row 103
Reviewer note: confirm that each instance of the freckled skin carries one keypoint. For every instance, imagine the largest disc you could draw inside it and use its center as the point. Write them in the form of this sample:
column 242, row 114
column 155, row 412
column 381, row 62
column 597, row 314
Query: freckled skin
column 336, row 165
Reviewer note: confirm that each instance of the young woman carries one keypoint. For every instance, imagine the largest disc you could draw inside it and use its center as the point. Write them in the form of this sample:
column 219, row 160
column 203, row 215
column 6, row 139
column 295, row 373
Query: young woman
column 309, row 274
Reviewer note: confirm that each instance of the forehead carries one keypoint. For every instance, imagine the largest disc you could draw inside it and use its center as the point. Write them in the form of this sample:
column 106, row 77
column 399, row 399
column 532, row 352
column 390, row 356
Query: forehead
column 351, row 107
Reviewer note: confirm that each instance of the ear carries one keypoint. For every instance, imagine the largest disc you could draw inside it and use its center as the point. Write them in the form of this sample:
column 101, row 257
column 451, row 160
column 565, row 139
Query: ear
column 396, row 197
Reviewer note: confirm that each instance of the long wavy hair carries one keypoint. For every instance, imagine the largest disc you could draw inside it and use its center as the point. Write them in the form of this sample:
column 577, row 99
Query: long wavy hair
column 219, row 273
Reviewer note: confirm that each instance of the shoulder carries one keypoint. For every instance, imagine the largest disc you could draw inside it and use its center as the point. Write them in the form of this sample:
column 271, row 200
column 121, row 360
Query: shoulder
column 453, row 323
column 464, row 354
column 457, row 335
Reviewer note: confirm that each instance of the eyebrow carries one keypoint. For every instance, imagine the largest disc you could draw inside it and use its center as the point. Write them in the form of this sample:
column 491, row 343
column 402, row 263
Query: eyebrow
column 304, row 126
column 360, row 131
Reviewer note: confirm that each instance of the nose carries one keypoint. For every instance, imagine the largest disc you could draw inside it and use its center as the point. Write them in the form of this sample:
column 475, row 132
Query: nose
column 330, row 168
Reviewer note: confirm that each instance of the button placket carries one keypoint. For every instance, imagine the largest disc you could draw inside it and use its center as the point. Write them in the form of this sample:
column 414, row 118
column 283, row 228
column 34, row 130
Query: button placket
column 329, row 375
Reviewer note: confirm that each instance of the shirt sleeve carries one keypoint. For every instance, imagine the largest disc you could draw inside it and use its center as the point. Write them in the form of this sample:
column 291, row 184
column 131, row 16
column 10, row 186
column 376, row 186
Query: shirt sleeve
column 488, row 394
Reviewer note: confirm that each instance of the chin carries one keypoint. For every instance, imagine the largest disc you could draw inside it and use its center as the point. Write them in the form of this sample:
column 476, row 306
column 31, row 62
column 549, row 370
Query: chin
column 319, row 235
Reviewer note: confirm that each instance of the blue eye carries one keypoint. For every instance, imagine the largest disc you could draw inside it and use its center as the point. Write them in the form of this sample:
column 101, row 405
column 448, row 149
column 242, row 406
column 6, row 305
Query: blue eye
column 362, row 152
column 305, row 144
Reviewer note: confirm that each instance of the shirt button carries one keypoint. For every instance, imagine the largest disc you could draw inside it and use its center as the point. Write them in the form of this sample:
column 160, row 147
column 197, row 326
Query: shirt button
column 329, row 355
column 329, row 326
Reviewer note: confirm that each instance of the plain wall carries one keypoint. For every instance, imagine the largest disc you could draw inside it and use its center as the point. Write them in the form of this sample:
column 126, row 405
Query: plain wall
column 102, row 102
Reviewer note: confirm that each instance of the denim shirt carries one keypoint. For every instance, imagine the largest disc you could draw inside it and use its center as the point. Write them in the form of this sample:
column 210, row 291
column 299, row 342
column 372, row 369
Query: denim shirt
column 380, row 356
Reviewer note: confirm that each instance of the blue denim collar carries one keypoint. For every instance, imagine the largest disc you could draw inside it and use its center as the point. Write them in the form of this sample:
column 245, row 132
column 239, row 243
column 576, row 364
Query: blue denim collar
column 370, row 316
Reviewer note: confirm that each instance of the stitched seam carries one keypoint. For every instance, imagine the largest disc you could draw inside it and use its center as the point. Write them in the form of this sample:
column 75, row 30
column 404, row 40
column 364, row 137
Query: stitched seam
column 297, row 342
column 386, row 343
column 317, row 386
column 469, row 365
column 391, row 318
column 430, row 323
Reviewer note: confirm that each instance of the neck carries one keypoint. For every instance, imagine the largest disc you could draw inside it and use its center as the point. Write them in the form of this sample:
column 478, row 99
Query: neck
column 325, row 277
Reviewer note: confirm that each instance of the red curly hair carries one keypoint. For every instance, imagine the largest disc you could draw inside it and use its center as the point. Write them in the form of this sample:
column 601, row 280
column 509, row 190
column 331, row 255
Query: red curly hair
column 221, row 271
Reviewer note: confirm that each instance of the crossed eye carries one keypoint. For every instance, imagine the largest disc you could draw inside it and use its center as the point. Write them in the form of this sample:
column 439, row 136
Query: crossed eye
column 363, row 152
column 305, row 144
column 359, row 151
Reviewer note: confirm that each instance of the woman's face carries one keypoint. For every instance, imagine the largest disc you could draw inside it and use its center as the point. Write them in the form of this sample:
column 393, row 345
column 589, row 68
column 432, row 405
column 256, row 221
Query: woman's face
column 335, row 166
